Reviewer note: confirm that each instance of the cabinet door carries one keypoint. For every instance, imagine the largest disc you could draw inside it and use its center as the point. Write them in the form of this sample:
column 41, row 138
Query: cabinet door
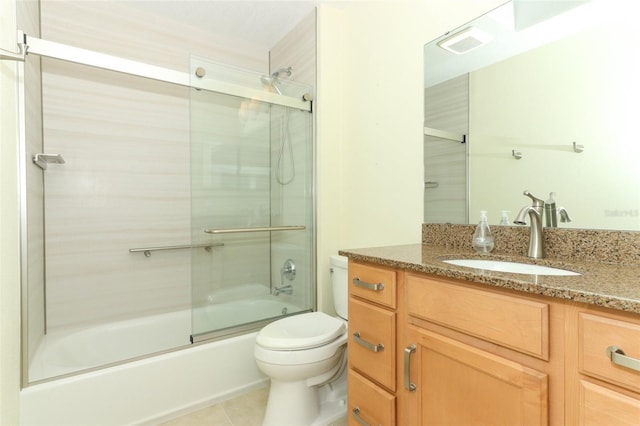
column 457, row 384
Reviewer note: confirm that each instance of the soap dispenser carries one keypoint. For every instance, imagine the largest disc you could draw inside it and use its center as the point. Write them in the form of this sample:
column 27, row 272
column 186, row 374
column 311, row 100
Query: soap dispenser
column 504, row 217
column 550, row 211
column 482, row 238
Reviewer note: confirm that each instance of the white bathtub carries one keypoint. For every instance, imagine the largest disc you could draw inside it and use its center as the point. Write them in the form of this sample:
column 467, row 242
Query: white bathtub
column 145, row 390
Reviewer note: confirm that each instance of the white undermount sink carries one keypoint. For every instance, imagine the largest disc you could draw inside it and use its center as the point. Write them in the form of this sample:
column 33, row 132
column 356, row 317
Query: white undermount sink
column 512, row 267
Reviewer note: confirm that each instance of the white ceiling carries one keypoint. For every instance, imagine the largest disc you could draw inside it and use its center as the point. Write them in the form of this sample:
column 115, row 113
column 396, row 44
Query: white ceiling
column 259, row 22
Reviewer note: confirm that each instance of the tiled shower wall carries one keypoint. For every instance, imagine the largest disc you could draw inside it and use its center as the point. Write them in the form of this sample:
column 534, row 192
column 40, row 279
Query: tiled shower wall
column 126, row 183
column 290, row 202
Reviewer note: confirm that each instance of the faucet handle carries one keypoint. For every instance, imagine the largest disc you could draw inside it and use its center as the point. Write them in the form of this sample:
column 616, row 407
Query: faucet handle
column 537, row 202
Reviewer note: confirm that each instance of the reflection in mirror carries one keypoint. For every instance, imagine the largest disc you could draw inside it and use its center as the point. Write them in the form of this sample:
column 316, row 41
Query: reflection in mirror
column 565, row 103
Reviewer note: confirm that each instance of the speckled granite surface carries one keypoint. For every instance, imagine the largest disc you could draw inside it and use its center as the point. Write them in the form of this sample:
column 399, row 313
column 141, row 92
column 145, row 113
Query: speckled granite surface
column 580, row 245
column 610, row 271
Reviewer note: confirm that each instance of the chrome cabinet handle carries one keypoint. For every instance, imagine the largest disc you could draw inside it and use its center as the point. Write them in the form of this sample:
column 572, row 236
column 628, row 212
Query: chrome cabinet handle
column 371, row 346
column 411, row 387
column 618, row 357
column 368, row 286
column 356, row 415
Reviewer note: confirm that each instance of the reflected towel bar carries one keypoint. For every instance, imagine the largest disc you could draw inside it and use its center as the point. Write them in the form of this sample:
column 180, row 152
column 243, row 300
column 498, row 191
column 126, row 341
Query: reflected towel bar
column 256, row 229
column 147, row 250
column 444, row 134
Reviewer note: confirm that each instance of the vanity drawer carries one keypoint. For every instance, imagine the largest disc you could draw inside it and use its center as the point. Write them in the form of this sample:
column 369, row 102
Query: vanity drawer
column 517, row 323
column 595, row 334
column 602, row 406
column 368, row 403
column 374, row 283
column 372, row 342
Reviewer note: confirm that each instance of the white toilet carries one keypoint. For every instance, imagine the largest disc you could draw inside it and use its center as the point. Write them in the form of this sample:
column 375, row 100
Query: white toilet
column 305, row 357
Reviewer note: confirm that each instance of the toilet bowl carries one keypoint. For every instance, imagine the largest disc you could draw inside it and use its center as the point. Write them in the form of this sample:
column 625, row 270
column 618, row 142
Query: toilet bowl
column 305, row 358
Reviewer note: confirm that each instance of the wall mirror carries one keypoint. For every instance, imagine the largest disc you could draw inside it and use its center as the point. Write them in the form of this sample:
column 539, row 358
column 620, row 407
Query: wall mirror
column 538, row 96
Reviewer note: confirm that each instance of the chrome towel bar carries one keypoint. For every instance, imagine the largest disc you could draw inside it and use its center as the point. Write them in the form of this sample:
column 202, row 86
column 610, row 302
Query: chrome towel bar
column 255, row 229
column 147, row 250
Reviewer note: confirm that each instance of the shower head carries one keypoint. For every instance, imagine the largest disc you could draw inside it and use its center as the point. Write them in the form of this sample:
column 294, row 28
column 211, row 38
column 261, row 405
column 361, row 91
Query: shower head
column 279, row 71
column 272, row 80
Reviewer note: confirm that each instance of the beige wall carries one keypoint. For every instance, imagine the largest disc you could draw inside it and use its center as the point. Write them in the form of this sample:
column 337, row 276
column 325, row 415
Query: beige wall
column 370, row 80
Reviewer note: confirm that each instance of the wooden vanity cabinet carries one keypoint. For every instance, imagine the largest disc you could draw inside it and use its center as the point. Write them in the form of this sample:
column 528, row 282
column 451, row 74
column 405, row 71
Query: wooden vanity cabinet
column 601, row 390
column 429, row 350
column 372, row 345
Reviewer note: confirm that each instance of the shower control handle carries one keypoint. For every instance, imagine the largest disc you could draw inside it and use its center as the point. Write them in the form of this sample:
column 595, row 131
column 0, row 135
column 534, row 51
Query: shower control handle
column 371, row 346
column 369, row 286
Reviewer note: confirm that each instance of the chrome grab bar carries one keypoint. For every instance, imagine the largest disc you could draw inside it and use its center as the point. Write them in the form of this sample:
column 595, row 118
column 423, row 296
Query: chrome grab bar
column 147, row 250
column 371, row 346
column 254, row 229
column 618, row 357
column 411, row 387
column 369, row 286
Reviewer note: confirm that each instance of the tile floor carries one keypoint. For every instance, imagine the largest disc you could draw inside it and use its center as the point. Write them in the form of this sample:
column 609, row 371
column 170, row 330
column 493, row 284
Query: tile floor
column 244, row 410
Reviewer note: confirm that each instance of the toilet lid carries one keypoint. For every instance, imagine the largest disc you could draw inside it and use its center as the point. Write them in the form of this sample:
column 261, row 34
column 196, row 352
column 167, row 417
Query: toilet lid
column 301, row 332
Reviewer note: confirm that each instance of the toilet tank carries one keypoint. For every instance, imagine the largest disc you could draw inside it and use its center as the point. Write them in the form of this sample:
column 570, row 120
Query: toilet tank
column 340, row 285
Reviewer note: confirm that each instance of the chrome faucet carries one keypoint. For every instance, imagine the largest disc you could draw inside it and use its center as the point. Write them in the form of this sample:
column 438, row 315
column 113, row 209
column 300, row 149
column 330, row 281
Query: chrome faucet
column 535, row 212
column 287, row 271
column 564, row 215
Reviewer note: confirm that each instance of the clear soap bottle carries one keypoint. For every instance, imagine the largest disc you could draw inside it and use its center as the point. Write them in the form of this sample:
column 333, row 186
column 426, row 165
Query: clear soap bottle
column 482, row 238
column 504, row 218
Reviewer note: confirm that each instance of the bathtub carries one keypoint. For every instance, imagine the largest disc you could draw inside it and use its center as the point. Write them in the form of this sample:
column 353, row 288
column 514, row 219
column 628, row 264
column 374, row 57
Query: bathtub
column 148, row 389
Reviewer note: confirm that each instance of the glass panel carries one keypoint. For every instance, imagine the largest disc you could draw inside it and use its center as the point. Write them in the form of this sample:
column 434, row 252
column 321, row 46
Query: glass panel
column 251, row 167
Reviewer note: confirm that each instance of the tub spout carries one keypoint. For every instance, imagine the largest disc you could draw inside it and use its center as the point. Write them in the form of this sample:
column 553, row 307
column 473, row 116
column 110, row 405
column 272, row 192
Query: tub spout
column 287, row 289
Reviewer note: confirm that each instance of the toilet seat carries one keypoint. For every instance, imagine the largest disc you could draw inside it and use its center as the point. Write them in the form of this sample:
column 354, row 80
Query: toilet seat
column 300, row 332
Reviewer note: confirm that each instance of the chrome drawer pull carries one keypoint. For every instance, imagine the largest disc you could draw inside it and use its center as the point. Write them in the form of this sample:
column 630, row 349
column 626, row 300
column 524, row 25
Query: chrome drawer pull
column 618, row 357
column 372, row 347
column 356, row 415
column 411, row 387
column 368, row 286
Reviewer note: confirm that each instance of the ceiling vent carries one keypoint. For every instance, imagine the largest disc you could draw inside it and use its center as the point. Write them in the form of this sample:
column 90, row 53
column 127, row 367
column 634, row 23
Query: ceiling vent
column 464, row 41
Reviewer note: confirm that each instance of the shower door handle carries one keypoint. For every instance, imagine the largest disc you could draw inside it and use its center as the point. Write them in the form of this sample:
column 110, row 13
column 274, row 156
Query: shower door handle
column 369, row 286
column 371, row 346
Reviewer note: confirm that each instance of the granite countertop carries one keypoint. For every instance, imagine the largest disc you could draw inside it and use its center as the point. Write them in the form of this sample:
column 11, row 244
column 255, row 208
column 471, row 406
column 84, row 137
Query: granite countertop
column 614, row 286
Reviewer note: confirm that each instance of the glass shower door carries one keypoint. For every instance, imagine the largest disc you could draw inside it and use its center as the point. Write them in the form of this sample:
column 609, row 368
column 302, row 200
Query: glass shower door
column 251, row 186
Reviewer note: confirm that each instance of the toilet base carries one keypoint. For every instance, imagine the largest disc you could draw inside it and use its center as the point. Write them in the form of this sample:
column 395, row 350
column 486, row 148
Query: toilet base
column 333, row 402
column 295, row 404
column 291, row 403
